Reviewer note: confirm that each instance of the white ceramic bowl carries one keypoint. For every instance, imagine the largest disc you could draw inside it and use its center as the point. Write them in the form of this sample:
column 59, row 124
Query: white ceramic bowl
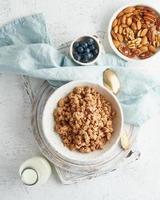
column 53, row 139
column 79, row 39
column 110, row 28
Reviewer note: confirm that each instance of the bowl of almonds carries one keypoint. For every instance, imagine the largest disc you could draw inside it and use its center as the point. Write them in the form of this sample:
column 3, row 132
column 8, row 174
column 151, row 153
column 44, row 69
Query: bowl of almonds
column 134, row 32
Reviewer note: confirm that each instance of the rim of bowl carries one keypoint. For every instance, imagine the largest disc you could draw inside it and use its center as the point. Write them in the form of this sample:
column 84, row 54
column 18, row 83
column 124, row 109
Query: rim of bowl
column 93, row 160
column 81, row 63
column 110, row 27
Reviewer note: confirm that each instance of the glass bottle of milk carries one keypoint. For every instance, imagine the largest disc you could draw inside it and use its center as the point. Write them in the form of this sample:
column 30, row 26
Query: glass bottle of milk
column 35, row 171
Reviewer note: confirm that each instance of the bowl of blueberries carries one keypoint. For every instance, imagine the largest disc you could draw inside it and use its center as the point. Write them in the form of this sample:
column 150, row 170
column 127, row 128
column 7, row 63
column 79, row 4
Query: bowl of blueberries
column 85, row 50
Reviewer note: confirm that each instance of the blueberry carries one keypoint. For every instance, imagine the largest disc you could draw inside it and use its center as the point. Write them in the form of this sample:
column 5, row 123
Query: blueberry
column 87, row 50
column 85, row 55
column 85, row 58
column 84, row 45
column 92, row 47
column 95, row 52
column 80, row 49
column 90, row 56
column 75, row 45
column 90, row 41
column 76, row 56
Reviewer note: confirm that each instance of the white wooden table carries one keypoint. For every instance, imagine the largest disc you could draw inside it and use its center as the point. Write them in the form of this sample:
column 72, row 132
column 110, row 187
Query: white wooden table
column 66, row 20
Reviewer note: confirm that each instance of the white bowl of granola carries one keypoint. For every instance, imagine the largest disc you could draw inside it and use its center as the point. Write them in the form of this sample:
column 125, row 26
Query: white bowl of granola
column 63, row 139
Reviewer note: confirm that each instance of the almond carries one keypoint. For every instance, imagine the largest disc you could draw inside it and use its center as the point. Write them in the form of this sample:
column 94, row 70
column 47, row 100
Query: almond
column 116, row 43
column 139, row 25
column 133, row 26
column 120, row 30
column 129, row 21
column 114, row 35
column 115, row 22
column 120, row 37
column 124, row 19
column 144, row 40
column 119, row 21
column 115, row 29
column 144, row 32
column 152, row 49
column 129, row 10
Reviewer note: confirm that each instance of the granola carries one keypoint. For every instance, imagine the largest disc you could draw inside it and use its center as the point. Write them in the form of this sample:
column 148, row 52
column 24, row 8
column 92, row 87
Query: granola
column 84, row 120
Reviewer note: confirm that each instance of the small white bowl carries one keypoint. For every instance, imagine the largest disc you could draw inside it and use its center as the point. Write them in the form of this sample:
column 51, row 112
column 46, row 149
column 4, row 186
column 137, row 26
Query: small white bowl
column 79, row 39
column 110, row 28
column 53, row 139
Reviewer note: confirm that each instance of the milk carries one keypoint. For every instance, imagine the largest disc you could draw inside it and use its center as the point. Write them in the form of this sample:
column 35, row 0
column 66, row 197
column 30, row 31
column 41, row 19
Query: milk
column 35, row 171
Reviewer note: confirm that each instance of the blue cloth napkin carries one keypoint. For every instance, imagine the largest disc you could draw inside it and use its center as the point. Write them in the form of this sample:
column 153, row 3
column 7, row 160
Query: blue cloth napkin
column 25, row 49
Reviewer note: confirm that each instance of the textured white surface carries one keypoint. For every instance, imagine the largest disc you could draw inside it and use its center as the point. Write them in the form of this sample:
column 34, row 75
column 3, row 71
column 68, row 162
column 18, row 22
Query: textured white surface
column 66, row 20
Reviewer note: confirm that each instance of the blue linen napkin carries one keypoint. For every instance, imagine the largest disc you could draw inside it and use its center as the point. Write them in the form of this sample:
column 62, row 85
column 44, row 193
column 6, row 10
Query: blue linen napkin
column 25, row 49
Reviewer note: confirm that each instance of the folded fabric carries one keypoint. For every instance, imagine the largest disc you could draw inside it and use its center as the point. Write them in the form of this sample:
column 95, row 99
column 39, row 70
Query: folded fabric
column 25, row 49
